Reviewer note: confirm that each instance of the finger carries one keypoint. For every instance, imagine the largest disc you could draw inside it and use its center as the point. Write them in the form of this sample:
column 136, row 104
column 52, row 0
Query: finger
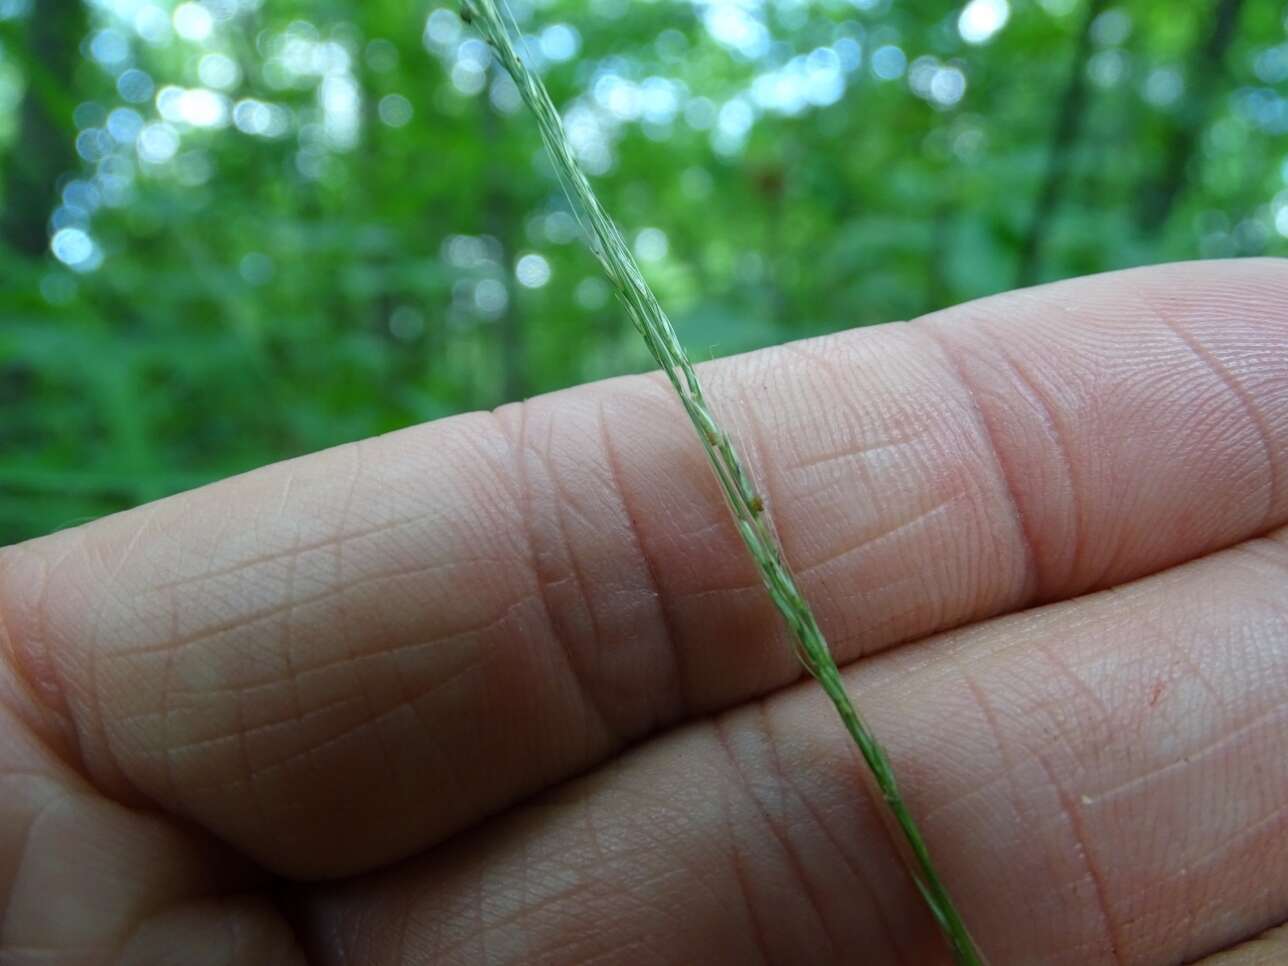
column 1269, row 949
column 86, row 881
column 339, row 660
column 1101, row 781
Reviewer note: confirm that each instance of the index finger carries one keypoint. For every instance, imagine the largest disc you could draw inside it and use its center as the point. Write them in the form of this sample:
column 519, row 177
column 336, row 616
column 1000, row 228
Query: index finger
column 339, row 660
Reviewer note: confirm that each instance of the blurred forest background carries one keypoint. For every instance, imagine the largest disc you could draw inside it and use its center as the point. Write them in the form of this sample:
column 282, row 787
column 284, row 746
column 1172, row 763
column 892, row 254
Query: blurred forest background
column 233, row 231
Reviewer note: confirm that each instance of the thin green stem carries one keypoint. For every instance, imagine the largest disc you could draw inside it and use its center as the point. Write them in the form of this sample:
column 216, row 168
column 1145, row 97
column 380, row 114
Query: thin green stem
column 748, row 508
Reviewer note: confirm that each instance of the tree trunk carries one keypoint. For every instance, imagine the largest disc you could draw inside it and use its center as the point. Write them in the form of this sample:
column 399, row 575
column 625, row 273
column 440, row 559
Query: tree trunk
column 1160, row 195
column 1063, row 138
column 44, row 150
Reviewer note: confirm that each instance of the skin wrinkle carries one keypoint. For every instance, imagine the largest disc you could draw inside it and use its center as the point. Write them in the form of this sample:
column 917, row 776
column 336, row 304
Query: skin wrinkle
column 519, row 918
column 370, row 722
column 989, row 343
column 315, row 749
column 1183, row 657
column 245, row 621
column 1267, row 949
column 573, row 865
column 1277, row 816
column 287, row 638
column 1192, row 758
column 309, row 754
column 870, row 541
column 814, row 363
column 1073, row 817
column 287, row 487
column 1113, row 564
column 525, row 867
column 144, row 917
column 70, row 798
column 42, row 675
column 896, row 938
column 734, row 853
column 1188, row 759
column 1254, row 414
column 344, row 660
column 143, row 527
column 169, row 750
column 855, row 869
column 1082, row 844
column 793, row 864
column 785, row 777
column 588, row 694
column 593, row 842
column 1267, row 549
column 1053, row 424
column 1166, row 323
column 246, row 922
column 811, row 362
column 114, row 762
column 762, row 470
column 669, row 629
column 985, row 704
column 25, row 678
column 324, row 667
column 1189, row 920
column 1033, row 574
column 255, row 778
column 803, row 353
column 414, row 701
column 449, row 773
column 296, row 549
column 843, row 455
column 1044, row 646
column 255, row 730
column 56, row 799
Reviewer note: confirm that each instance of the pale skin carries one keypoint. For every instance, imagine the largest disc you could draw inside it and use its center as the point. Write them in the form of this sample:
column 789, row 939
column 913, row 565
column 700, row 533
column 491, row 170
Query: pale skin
column 503, row 688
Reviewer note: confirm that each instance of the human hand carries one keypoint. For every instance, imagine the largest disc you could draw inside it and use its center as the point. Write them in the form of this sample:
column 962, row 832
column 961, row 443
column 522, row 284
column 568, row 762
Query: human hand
column 505, row 688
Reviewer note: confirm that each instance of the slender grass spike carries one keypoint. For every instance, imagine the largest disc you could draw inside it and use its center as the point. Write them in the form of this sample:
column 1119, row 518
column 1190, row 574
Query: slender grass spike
column 747, row 506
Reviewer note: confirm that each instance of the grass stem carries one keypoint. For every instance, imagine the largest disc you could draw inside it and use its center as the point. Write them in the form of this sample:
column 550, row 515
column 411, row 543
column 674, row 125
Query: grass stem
column 746, row 505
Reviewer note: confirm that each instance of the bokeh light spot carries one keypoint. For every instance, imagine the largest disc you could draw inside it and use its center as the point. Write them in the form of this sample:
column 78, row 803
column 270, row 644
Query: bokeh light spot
column 135, row 86
column 158, row 142
column 219, row 71
column 651, row 245
column 491, row 297
column 193, row 22
column 76, row 249
column 532, row 271
column 559, row 43
column 888, row 62
column 395, row 110
column 981, row 19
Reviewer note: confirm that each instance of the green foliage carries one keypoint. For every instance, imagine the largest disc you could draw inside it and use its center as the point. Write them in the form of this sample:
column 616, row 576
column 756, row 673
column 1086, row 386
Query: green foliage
column 266, row 294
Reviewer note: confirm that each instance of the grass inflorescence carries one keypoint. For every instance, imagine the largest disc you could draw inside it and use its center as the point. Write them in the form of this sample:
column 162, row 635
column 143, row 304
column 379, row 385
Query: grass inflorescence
column 748, row 510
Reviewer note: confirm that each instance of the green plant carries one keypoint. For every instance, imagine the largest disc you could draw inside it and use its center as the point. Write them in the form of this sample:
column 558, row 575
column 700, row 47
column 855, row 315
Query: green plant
column 746, row 505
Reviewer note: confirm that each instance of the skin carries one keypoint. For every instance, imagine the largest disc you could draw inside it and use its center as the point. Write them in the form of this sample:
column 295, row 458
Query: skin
column 504, row 688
